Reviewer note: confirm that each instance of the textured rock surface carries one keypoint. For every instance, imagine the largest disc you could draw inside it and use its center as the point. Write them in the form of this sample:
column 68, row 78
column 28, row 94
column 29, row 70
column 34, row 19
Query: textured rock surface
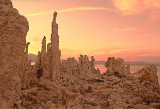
column 13, row 30
column 55, row 51
column 149, row 73
column 50, row 84
column 116, row 67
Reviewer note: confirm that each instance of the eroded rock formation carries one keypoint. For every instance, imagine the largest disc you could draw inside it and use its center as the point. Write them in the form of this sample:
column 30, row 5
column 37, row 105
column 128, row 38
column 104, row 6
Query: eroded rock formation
column 148, row 73
column 13, row 30
column 50, row 84
column 116, row 67
column 48, row 61
column 55, row 51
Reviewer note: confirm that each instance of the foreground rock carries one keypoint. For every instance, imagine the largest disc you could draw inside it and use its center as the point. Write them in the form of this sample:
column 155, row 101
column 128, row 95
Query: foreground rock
column 13, row 30
column 149, row 73
column 50, row 84
column 78, row 85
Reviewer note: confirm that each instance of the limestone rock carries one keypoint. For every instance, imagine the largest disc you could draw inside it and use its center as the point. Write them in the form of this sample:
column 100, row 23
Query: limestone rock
column 49, row 61
column 29, row 91
column 43, row 51
column 86, row 66
column 70, row 66
column 116, row 67
column 13, row 30
column 55, row 51
column 149, row 73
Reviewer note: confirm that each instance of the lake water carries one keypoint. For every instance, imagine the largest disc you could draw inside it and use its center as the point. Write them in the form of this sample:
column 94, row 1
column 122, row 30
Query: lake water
column 133, row 69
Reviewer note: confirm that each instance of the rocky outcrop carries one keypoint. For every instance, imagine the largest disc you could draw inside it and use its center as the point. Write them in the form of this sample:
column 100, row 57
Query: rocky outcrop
column 116, row 67
column 70, row 67
column 13, row 30
column 43, row 51
column 81, row 67
column 148, row 73
column 48, row 62
column 55, row 51
column 85, row 65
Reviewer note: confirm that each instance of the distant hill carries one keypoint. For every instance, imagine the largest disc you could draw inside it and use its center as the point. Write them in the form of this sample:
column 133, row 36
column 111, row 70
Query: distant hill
column 100, row 62
column 33, row 57
column 130, row 62
column 140, row 63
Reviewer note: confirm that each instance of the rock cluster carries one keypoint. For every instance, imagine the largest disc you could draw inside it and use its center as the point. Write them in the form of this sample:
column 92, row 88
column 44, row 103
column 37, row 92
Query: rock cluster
column 71, row 84
column 72, row 67
column 48, row 61
column 116, row 67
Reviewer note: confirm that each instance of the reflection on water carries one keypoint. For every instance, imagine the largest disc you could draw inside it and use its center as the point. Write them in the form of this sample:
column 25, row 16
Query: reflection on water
column 101, row 68
column 133, row 69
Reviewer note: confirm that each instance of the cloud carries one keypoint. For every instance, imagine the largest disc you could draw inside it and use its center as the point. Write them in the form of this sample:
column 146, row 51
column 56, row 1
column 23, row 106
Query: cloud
column 103, row 54
column 126, row 6
column 66, row 53
column 123, row 29
column 37, row 39
column 136, row 10
column 151, row 54
column 130, row 7
column 143, row 54
column 100, row 54
column 72, row 9
column 117, row 51
column 147, row 28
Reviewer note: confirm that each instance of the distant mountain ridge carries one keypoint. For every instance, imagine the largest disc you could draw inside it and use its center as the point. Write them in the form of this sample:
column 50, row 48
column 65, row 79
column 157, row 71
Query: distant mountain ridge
column 131, row 62
column 33, row 57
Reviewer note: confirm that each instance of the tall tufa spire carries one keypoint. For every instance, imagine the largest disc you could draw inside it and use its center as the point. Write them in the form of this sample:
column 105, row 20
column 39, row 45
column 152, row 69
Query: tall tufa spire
column 54, row 16
column 43, row 50
column 55, row 51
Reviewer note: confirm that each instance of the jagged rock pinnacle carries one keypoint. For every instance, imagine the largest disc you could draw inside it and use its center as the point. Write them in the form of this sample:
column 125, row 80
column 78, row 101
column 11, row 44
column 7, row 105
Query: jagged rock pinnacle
column 27, row 44
column 44, row 37
column 54, row 16
column 43, row 50
column 55, row 52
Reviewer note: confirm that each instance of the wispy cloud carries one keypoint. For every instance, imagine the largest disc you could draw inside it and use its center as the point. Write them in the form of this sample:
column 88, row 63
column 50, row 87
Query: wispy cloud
column 123, row 29
column 130, row 7
column 138, row 30
column 117, row 51
column 72, row 9
column 141, row 54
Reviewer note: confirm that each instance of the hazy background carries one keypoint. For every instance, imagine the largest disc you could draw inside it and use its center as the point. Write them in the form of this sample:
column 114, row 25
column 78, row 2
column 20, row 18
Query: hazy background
column 120, row 28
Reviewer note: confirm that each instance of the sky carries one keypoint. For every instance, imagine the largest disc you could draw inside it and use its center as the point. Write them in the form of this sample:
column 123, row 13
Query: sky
column 129, row 29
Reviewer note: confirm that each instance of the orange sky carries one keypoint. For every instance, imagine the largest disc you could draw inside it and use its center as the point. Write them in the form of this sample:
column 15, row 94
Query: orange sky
column 120, row 28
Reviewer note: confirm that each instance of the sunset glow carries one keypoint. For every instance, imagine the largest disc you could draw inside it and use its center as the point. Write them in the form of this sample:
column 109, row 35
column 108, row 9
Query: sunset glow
column 120, row 28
